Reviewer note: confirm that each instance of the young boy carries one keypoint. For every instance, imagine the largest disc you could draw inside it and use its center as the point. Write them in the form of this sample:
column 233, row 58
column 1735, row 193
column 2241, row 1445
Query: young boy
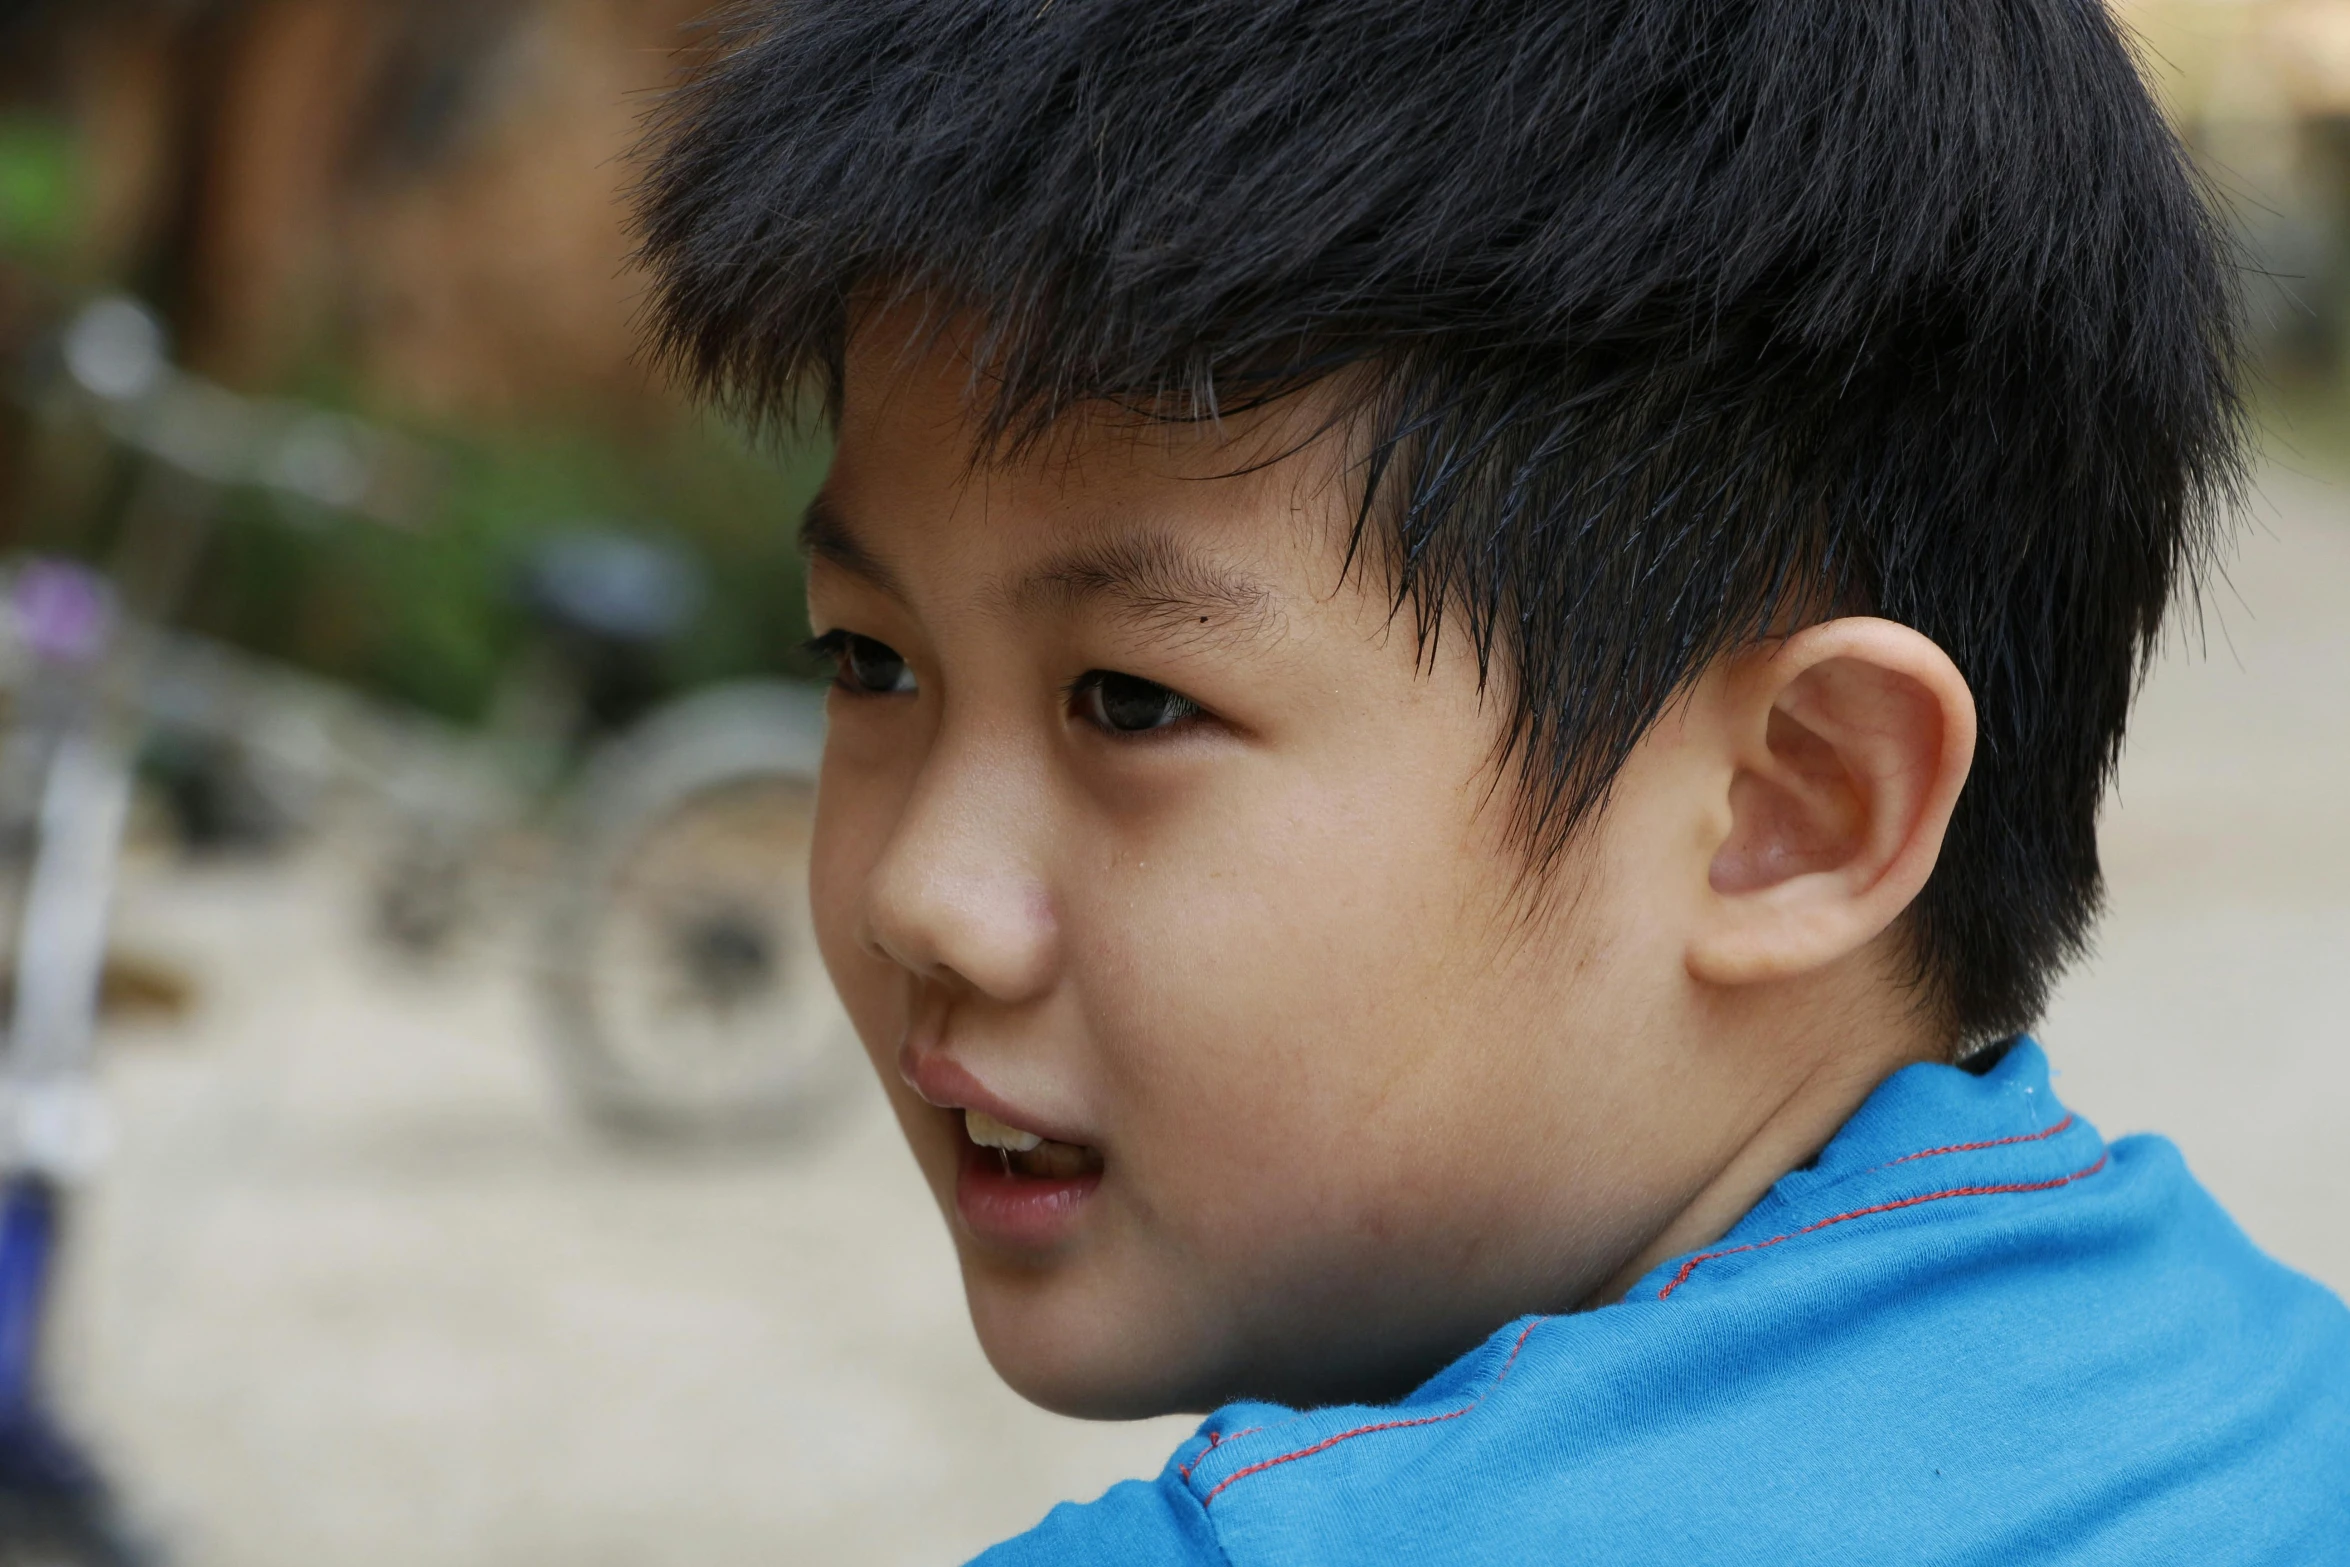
column 1477, row 644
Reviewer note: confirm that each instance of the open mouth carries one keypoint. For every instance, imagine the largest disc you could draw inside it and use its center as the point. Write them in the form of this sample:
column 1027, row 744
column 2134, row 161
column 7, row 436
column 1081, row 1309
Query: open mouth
column 1025, row 1154
column 1020, row 1192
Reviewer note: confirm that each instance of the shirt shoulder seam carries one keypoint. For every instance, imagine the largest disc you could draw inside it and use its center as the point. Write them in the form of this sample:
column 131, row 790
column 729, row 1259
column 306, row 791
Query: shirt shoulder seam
column 2001, row 1188
column 1220, row 1438
column 1329, row 1442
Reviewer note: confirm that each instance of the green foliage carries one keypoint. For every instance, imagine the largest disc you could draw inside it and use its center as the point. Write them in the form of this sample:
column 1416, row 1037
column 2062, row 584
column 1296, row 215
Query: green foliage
column 428, row 616
column 39, row 168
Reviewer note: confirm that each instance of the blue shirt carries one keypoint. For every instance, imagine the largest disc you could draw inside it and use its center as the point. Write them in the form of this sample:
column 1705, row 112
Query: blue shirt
column 1971, row 1331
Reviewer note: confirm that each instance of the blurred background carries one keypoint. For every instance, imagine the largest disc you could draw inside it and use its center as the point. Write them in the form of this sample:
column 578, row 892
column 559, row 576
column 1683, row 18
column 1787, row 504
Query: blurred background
column 403, row 749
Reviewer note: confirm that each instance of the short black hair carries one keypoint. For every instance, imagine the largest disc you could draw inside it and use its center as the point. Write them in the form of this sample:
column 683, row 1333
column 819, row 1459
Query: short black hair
column 1668, row 320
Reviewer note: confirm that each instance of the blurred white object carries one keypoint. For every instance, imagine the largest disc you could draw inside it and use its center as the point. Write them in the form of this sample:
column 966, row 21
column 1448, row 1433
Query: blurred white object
column 117, row 351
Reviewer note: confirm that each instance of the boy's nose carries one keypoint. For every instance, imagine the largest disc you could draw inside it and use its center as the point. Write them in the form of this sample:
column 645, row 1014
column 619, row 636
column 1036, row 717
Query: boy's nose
column 958, row 895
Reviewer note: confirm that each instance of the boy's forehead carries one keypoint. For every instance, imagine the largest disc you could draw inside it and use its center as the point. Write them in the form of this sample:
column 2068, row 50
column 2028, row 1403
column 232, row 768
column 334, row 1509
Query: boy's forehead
column 907, row 385
column 1156, row 516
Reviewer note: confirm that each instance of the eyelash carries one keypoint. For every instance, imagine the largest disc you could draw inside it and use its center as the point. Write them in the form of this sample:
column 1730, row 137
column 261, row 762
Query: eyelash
column 1088, row 687
column 837, row 648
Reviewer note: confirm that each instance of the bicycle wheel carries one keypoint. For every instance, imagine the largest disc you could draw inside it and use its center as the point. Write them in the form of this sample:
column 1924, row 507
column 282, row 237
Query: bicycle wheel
column 680, row 970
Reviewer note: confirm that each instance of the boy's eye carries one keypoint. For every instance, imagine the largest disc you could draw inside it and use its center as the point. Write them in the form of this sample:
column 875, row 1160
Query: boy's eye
column 863, row 665
column 1129, row 704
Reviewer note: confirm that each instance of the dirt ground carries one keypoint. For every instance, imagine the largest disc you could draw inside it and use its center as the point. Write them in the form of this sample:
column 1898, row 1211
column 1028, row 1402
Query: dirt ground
column 359, row 1289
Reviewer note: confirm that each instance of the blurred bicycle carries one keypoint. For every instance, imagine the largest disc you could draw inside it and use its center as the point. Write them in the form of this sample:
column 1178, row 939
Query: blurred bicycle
column 674, row 954
column 675, row 959
column 672, row 950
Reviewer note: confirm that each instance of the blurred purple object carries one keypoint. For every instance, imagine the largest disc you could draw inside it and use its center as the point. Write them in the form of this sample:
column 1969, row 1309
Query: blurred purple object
column 63, row 611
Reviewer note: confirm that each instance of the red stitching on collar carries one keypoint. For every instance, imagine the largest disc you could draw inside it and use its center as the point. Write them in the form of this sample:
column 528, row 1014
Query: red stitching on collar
column 1690, row 1266
column 1996, row 1142
column 1216, row 1439
column 1219, row 1438
column 1384, row 1425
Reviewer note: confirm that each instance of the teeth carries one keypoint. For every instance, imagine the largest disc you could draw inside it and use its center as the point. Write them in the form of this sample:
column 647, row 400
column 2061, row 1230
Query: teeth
column 988, row 1132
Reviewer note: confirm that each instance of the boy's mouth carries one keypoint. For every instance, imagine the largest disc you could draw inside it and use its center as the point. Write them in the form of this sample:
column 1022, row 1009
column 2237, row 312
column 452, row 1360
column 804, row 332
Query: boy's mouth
column 1023, row 1153
column 1020, row 1192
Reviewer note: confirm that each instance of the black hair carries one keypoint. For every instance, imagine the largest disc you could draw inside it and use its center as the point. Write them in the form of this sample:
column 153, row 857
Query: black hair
column 1668, row 320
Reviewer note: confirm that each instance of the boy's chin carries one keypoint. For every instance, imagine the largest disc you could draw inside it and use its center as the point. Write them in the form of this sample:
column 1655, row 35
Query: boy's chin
column 1090, row 1343
column 1080, row 1352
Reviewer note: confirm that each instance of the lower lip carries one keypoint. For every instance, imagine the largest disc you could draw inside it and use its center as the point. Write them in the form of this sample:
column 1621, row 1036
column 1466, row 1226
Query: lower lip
column 1018, row 1212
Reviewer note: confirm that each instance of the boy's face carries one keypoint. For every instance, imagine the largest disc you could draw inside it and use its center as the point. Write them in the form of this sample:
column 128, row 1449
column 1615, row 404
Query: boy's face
column 1145, row 830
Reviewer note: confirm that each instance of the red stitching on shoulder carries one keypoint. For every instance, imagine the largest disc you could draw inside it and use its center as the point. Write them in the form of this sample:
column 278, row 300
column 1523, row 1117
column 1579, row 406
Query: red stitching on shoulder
column 1216, row 1439
column 1219, row 1438
column 1996, row 1142
column 1384, row 1425
column 1690, row 1266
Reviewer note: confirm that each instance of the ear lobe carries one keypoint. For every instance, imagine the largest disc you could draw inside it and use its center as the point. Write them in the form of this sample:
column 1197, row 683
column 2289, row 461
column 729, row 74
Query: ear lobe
column 1850, row 741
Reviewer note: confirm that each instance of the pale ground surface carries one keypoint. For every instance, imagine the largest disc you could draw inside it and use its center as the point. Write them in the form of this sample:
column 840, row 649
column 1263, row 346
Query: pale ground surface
column 358, row 1290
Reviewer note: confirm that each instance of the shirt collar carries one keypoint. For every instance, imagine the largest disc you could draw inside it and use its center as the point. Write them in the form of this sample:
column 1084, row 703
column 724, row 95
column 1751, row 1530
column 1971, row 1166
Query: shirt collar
column 1928, row 1132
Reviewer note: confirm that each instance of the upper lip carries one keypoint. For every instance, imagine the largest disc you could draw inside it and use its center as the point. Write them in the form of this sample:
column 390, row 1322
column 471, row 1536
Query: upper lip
column 945, row 1082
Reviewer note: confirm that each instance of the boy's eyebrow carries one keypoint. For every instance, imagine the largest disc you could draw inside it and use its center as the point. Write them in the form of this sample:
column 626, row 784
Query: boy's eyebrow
column 825, row 534
column 1150, row 578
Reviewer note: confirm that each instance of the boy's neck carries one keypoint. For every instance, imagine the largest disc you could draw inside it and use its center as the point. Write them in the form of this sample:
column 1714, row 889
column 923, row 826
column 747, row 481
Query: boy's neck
column 1814, row 1107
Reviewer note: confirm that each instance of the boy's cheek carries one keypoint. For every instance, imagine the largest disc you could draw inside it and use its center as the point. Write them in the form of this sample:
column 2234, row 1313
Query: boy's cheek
column 1296, row 1095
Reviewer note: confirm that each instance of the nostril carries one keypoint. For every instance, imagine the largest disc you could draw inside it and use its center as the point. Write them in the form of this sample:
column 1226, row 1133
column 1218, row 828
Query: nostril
column 895, row 948
column 977, row 936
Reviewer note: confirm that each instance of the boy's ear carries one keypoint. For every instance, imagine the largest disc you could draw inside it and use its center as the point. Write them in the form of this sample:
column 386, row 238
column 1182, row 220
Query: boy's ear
column 1847, row 744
